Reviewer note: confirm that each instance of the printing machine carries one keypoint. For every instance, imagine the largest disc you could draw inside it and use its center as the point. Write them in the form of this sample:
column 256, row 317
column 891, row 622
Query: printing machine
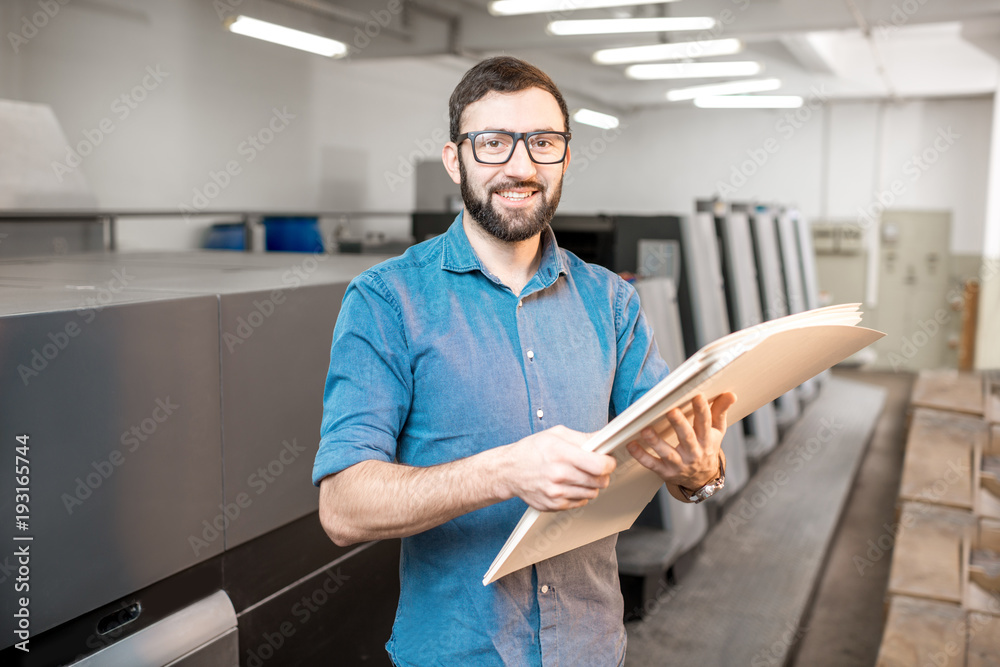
column 666, row 530
column 800, row 280
column 173, row 403
column 732, row 228
column 773, row 294
column 702, row 304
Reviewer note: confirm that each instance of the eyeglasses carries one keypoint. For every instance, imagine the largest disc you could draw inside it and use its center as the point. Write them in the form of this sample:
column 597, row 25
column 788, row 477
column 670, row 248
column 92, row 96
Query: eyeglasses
column 495, row 147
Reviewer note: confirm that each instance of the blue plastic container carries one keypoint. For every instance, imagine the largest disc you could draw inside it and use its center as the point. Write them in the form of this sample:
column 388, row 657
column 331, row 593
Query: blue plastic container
column 300, row 234
column 226, row 236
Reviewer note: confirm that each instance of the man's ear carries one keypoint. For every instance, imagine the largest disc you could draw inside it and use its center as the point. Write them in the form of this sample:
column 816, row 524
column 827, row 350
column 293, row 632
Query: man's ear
column 566, row 161
column 449, row 156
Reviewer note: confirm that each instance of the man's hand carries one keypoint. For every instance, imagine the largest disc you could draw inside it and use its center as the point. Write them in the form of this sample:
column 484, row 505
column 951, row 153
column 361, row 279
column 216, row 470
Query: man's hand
column 694, row 462
column 549, row 470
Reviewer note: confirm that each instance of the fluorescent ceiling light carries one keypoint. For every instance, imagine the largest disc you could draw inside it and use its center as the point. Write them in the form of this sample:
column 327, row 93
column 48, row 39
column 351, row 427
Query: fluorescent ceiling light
column 620, row 26
column 674, row 51
column 693, row 70
column 279, row 34
column 749, row 102
column 511, row 7
column 595, row 118
column 731, row 88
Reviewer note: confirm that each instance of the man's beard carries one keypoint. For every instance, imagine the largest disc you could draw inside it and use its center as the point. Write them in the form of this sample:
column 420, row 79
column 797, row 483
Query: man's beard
column 524, row 224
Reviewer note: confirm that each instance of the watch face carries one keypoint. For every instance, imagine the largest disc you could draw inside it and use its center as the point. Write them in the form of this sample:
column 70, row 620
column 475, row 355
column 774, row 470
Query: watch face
column 708, row 490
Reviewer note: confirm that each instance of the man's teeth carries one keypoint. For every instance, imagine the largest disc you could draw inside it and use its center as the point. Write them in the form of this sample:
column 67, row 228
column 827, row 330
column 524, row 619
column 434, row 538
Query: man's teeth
column 515, row 195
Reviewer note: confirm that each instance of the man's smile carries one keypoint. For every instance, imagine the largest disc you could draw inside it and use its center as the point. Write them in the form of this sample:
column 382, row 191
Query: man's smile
column 517, row 195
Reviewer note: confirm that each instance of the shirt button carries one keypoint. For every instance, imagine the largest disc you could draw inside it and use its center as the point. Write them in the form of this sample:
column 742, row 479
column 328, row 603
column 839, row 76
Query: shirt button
column 540, row 413
column 531, row 355
column 520, row 302
column 545, row 588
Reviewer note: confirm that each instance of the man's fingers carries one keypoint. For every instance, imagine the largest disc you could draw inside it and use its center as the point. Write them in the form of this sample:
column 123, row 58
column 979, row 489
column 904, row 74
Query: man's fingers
column 594, row 464
column 720, row 406
column 701, row 417
column 682, row 427
column 666, row 461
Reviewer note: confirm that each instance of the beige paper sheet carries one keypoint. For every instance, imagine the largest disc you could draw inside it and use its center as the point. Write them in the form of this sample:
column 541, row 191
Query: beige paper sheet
column 758, row 364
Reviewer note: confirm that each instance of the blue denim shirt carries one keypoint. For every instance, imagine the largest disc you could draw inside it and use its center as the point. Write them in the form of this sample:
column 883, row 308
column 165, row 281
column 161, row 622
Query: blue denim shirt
column 435, row 359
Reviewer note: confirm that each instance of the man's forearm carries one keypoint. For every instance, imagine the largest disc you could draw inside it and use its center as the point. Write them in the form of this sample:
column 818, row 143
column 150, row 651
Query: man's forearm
column 373, row 500
column 378, row 500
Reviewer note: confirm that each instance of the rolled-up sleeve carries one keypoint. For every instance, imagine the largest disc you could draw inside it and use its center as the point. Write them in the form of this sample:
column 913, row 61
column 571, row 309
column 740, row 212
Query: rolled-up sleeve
column 640, row 366
column 370, row 383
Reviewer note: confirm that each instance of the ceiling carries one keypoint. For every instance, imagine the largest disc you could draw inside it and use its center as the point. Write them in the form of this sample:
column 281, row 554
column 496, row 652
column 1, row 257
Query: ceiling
column 849, row 49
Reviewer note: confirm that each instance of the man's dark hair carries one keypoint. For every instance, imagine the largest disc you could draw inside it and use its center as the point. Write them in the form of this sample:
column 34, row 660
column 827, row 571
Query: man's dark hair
column 502, row 74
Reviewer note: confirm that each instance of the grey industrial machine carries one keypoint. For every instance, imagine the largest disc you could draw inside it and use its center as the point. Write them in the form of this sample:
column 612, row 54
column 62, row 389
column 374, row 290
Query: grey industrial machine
column 708, row 307
column 701, row 302
column 173, row 403
column 732, row 227
column 773, row 295
column 807, row 253
column 686, row 523
column 791, row 260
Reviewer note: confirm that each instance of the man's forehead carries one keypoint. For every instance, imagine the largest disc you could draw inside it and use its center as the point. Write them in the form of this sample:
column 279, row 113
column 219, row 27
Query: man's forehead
column 531, row 105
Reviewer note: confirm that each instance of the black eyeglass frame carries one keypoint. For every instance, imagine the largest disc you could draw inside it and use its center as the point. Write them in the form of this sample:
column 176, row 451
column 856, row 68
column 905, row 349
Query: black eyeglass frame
column 517, row 136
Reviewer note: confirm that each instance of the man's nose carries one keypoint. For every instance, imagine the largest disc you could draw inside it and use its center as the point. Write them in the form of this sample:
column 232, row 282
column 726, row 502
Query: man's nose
column 520, row 165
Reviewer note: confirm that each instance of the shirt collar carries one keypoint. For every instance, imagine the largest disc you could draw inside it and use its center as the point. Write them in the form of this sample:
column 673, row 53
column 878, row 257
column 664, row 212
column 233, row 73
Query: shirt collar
column 458, row 255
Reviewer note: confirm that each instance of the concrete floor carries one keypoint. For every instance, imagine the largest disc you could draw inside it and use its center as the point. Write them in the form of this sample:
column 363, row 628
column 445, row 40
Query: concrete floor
column 844, row 625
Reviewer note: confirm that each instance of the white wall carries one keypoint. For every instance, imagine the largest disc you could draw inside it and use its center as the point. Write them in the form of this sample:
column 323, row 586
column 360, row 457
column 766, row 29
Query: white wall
column 357, row 125
column 666, row 157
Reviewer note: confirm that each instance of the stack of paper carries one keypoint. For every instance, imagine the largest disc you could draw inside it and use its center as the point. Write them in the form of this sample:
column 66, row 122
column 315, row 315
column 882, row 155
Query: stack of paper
column 758, row 364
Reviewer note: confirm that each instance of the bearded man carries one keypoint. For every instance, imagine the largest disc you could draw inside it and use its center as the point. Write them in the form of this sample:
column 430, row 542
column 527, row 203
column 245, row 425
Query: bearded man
column 464, row 377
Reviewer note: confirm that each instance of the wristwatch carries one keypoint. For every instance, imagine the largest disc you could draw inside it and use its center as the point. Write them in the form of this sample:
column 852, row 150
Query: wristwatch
column 709, row 489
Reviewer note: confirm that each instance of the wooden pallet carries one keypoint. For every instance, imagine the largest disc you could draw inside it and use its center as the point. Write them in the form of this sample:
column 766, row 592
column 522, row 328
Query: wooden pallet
column 927, row 555
column 923, row 632
column 987, row 478
column 981, row 569
column 939, row 463
column 949, row 390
